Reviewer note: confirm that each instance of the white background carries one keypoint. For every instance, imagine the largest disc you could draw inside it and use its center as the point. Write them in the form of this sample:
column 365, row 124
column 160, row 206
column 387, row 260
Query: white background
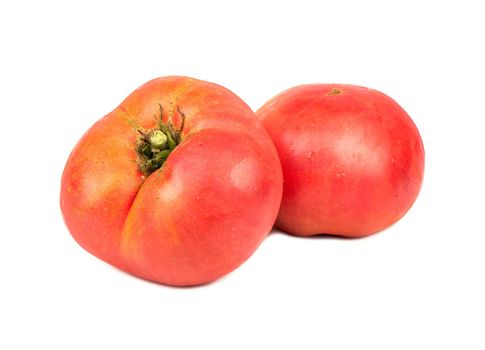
column 417, row 285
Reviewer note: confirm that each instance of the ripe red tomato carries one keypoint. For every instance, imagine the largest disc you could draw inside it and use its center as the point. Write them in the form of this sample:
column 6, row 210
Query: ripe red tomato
column 352, row 159
column 179, row 184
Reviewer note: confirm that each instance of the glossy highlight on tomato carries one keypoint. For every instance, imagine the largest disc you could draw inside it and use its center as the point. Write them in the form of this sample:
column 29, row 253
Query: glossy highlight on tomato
column 179, row 184
column 352, row 159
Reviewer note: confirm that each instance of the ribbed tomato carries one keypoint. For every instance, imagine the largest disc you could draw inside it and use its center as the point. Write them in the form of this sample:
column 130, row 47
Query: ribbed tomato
column 179, row 184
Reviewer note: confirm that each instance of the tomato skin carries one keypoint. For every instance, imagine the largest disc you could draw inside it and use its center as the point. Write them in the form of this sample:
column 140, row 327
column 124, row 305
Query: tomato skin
column 199, row 216
column 231, row 202
column 352, row 159
column 99, row 183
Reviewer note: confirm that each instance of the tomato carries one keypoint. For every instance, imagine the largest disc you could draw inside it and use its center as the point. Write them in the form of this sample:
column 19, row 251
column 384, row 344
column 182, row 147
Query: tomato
column 352, row 159
column 179, row 184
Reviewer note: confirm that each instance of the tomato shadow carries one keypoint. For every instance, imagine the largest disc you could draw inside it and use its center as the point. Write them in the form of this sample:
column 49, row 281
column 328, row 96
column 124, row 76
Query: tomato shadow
column 159, row 284
column 274, row 232
column 170, row 286
column 320, row 236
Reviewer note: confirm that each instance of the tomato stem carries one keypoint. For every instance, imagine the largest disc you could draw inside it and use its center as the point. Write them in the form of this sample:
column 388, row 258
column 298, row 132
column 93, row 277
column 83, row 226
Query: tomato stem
column 158, row 139
column 155, row 145
column 334, row 91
